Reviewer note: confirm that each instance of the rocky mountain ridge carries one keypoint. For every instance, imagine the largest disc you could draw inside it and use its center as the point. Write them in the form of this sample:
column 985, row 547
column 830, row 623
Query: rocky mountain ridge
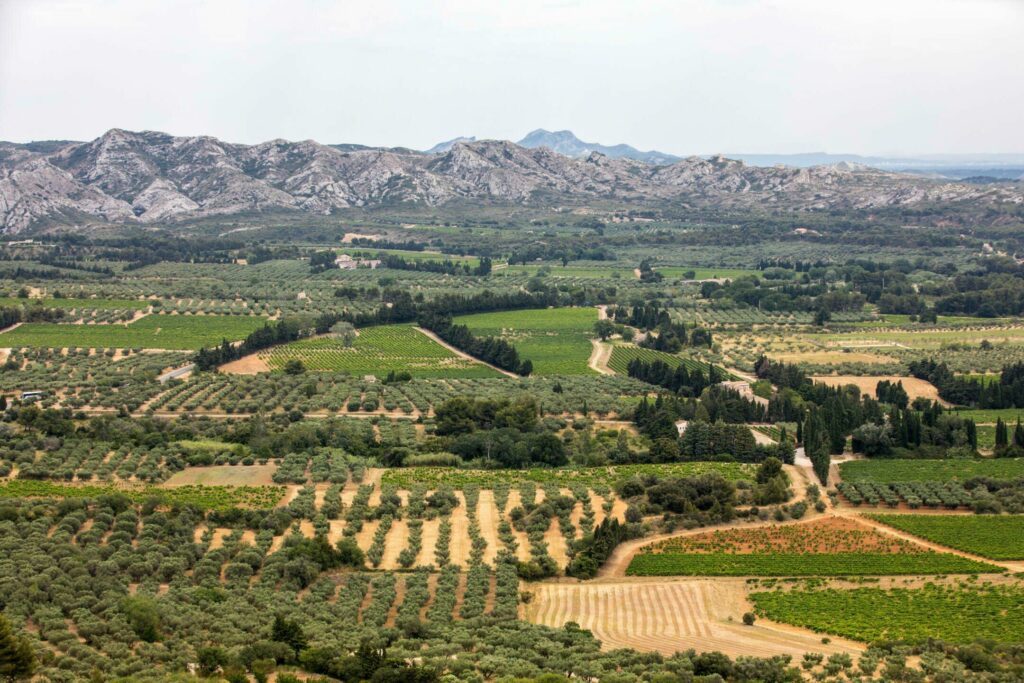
column 151, row 177
column 565, row 142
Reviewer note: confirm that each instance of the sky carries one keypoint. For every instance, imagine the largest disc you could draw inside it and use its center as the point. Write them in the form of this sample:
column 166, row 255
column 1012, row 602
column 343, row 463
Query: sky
column 877, row 77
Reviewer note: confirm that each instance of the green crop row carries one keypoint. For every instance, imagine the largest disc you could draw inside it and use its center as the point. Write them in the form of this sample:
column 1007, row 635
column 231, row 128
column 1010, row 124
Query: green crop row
column 803, row 564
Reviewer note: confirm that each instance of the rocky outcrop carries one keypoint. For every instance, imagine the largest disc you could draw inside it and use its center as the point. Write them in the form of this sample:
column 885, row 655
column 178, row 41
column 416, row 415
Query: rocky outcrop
column 150, row 177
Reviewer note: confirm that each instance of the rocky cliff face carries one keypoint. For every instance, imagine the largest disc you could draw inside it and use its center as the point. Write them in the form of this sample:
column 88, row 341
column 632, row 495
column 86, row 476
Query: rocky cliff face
column 153, row 177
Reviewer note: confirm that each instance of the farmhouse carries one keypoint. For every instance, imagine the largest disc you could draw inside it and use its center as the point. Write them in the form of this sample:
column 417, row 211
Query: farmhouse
column 346, row 262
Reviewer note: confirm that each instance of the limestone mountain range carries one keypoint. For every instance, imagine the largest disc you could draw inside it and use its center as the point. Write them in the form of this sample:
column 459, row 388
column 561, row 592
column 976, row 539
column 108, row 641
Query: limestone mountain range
column 152, row 178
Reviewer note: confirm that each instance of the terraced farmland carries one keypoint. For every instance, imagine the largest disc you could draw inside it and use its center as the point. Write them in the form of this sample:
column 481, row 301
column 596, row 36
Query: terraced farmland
column 378, row 351
column 557, row 341
column 172, row 332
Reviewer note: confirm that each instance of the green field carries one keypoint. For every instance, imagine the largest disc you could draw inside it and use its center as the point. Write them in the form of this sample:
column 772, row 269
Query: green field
column 890, row 471
column 378, row 351
column 409, row 255
column 433, row 477
column 98, row 304
column 803, row 564
column 1007, row 415
column 557, row 341
column 558, row 270
column 206, row 497
column 994, row 537
column 704, row 273
column 953, row 614
column 172, row 332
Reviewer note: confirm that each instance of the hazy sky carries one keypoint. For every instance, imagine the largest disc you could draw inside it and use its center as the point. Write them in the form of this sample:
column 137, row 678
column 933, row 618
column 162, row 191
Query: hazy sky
column 681, row 76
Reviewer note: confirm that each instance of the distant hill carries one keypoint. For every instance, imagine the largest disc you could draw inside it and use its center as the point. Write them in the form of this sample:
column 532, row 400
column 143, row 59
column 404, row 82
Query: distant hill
column 442, row 147
column 565, row 142
column 151, row 177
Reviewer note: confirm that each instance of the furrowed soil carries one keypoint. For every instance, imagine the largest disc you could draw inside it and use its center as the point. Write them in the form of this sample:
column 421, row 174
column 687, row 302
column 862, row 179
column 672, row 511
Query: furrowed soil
column 667, row 616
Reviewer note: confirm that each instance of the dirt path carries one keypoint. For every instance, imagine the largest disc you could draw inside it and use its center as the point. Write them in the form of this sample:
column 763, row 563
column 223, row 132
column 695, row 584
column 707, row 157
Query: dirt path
column 620, row 558
column 600, row 354
column 462, row 354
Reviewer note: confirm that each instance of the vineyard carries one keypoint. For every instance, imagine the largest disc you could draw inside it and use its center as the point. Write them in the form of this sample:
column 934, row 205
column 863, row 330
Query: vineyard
column 607, row 477
column 203, row 497
column 379, row 351
column 557, row 341
column 916, row 494
column 622, row 354
column 955, row 614
column 893, row 471
column 172, row 332
column 828, row 547
column 997, row 538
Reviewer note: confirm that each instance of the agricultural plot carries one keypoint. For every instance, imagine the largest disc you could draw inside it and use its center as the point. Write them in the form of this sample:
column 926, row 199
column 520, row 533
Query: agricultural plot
column 560, row 271
column 172, row 332
column 989, row 417
column 931, row 338
column 557, row 341
column 203, row 497
column 704, row 273
column 378, row 351
column 102, row 379
column 916, row 494
column 896, row 471
column 622, row 354
column 955, row 614
column 668, row 617
column 994, row 537
column 77, row 304
column 606, row 477
column 915, row 388
column 828, row 547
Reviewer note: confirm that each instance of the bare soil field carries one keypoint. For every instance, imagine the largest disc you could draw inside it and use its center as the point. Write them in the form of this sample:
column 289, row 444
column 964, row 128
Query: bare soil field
column 915, row 387
column 460, row 544
column 667, row 616
column 431, row 528
column 831, row 357
column 395, row 542
column 247, row 365
column 557, row 547
column 223, row 475
column 488, row 517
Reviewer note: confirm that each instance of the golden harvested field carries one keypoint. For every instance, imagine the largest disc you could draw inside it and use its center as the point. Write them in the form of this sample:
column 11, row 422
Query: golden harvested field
column 915, row 387
column 832, row 357
column 223, row 475
column 667, row 616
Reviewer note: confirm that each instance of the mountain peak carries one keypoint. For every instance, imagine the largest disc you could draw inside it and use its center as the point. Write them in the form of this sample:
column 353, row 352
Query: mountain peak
column 565, row 142
column 442, row 147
